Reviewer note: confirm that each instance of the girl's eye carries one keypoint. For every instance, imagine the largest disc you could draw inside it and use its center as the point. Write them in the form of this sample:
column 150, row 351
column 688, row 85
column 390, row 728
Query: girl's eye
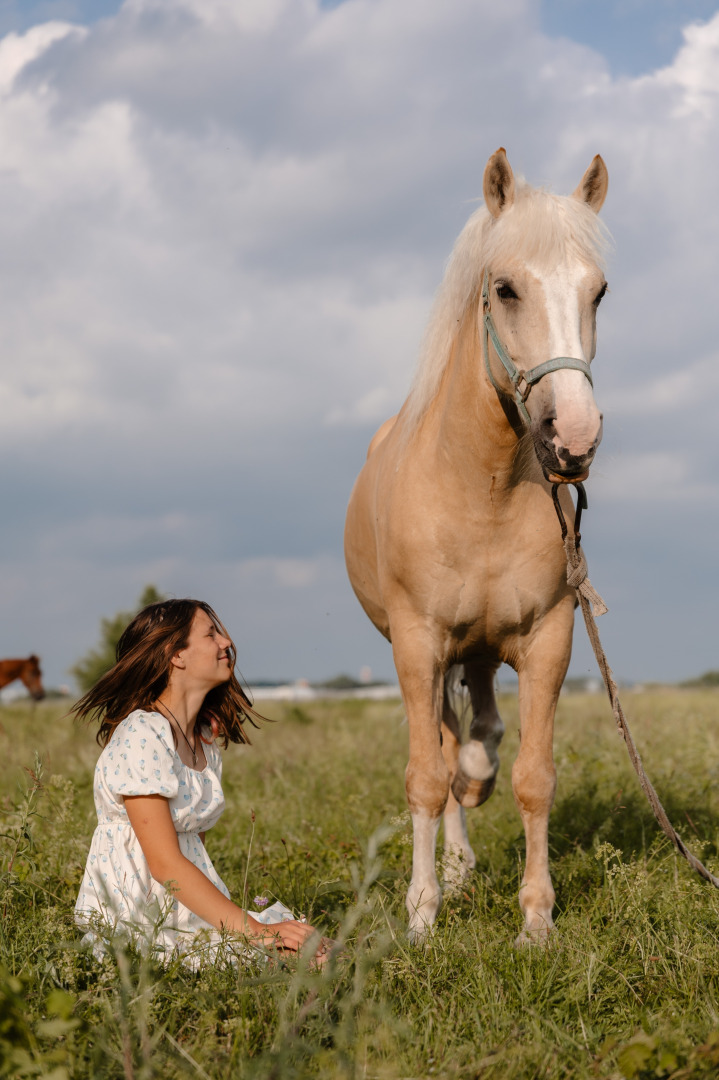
column 505, row 291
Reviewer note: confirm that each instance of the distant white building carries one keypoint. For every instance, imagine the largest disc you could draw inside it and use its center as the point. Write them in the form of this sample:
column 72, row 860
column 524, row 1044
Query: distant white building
column 300, row 690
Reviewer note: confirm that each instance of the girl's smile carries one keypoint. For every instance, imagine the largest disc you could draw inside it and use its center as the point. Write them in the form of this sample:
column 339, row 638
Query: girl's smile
column 204, row 658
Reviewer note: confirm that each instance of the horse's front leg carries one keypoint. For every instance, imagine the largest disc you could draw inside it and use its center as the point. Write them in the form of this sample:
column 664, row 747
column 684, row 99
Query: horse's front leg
column 541, row 674
column 427, row 776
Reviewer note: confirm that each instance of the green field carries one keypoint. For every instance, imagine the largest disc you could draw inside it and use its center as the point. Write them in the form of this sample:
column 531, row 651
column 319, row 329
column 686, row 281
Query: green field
column 628, row 987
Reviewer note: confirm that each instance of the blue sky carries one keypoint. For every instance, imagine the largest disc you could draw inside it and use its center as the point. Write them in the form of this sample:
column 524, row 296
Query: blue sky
column 221, row 228
column 635, row 36
column 19, row 15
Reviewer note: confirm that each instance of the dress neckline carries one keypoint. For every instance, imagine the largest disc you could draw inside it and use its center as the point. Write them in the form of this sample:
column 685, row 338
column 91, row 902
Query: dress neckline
column 156, row 712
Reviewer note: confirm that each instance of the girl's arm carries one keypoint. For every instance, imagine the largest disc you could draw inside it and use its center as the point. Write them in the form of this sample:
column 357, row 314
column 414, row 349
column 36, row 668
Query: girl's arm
column 152, row 823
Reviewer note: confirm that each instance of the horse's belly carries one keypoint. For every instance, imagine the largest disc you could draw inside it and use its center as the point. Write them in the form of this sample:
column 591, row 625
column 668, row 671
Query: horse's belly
column 360, row 542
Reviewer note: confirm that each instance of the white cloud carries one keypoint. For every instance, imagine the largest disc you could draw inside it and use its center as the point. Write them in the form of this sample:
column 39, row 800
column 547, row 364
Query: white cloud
column 678, row 391
column 695, row 70
column 250, row 16
column 283, row 573
column 221, row 225
column 19, row 50
column 662, row 478
column 371, row 408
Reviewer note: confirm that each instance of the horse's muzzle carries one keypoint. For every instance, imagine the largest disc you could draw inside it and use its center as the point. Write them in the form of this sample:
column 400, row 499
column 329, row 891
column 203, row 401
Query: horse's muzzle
column 558, row 464
column 574, row 478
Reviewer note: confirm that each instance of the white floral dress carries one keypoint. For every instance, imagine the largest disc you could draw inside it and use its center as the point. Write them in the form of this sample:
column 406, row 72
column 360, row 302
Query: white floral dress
column 118, row 895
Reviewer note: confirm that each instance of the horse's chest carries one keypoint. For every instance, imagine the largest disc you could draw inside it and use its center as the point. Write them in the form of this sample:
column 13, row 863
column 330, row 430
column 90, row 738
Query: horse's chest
column 496, row 593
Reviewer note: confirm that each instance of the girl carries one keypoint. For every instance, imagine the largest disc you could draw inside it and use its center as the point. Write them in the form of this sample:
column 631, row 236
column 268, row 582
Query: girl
column 162, row 708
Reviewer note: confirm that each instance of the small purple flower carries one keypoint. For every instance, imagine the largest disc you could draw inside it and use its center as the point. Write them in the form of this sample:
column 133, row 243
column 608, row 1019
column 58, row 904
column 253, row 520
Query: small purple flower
column 261, row 901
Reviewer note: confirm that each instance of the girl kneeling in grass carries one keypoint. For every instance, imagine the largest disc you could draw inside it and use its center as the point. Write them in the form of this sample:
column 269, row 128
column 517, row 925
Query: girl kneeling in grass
column 164, row 706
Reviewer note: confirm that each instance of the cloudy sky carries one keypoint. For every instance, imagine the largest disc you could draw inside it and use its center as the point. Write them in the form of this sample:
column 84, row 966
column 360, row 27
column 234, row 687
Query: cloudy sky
column 221, row 226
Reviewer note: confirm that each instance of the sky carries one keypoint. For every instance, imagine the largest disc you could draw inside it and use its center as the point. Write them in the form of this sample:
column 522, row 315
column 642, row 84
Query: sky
column 222, row 223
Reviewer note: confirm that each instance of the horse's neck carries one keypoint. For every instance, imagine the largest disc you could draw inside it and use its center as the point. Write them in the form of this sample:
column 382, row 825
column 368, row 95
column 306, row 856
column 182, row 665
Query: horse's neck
column 9, row 670
column 472, row 430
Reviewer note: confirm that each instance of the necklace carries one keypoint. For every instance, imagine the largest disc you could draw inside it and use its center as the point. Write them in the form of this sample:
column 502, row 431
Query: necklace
column 190, row 747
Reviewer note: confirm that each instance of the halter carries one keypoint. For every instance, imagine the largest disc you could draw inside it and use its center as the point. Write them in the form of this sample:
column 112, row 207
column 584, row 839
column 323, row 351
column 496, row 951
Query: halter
column 522, row 381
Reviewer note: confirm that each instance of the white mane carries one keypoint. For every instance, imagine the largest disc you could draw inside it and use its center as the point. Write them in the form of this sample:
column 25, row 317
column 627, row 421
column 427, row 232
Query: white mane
column 538, row 227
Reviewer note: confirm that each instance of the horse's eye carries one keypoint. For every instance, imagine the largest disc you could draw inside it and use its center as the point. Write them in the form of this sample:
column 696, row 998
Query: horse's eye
column 505, row 291
column 600, row 295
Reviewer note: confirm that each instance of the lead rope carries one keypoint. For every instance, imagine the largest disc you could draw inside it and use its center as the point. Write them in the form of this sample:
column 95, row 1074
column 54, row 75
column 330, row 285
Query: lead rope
column 592, row 606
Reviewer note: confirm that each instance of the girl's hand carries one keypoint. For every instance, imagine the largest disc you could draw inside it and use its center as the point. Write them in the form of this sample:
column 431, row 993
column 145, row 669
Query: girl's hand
column 292, row 936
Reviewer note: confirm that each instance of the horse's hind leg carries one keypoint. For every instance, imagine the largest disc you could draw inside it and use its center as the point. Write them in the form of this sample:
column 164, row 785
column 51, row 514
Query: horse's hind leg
column 478, row 763
column 459, row 858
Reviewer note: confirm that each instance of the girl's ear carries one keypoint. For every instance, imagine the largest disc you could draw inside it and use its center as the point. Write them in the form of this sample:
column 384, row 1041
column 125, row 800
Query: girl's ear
column 178, row 660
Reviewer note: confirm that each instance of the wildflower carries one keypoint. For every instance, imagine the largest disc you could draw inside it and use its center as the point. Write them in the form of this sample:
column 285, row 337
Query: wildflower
column 260, row 901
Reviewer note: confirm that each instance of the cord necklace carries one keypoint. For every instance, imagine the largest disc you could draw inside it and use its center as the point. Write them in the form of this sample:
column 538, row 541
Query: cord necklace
column 190, row 747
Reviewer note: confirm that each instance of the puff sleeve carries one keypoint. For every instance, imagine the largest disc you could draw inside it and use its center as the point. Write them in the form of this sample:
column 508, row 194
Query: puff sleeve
column 140, row 757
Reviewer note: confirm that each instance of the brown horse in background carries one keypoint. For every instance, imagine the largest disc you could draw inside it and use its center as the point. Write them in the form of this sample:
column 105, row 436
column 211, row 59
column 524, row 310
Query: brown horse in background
column 28, row 671
column 452, row 541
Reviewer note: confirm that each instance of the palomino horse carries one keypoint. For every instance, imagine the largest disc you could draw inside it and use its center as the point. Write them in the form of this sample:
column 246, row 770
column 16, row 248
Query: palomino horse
column 452, row 541
column 26, row 670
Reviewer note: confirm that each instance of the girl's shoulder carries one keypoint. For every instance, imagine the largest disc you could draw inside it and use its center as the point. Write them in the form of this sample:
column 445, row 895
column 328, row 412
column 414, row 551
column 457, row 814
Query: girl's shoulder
column 143, row 724
column 140, row 757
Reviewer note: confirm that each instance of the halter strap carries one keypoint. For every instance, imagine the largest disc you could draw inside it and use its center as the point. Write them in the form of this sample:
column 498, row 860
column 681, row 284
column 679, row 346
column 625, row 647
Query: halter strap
column 522, row 381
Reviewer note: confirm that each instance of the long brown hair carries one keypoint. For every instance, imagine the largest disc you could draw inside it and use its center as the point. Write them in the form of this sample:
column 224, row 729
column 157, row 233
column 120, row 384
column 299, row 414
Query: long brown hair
column 142, row 672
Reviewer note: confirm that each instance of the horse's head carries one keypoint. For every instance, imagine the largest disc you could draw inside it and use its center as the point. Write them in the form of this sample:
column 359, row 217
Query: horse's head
column 32, row 678
column 542, row 287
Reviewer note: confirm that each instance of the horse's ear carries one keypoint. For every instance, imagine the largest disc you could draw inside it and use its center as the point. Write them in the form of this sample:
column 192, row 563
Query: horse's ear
column 34, row 659
column 592, row 188
column 498, row 184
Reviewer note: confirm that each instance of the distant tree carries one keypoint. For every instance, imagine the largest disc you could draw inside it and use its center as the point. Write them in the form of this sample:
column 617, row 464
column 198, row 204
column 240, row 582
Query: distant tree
column 95, row 663
column 709, row 678
column 340, row 682
column 344, row 682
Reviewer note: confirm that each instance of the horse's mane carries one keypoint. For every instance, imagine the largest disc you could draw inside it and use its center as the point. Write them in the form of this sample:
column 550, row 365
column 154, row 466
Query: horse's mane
column 538, row 227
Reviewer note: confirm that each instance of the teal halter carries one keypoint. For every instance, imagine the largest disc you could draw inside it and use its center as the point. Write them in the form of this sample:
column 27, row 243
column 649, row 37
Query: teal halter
column 522, row 381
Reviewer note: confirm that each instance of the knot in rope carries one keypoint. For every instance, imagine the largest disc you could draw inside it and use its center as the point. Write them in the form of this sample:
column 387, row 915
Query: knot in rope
column 577, row 569
column 577, row 572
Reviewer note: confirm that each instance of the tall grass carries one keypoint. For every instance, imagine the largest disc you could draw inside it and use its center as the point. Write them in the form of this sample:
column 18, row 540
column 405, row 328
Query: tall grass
column 628, row 987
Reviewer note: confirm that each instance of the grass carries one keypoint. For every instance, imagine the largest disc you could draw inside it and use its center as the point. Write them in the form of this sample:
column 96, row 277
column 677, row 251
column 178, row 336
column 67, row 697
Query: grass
column 629, row 987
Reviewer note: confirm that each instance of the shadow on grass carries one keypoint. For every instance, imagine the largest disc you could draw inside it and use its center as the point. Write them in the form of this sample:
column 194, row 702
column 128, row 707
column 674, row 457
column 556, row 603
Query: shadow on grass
column 595, row 814
column 590, row 816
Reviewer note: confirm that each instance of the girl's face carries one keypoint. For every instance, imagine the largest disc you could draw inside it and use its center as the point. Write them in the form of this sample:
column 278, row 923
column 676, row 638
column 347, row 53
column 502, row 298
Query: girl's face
column 204, row 660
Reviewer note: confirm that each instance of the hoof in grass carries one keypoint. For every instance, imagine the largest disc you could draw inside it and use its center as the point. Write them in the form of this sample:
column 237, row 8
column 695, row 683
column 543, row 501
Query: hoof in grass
column 456, row 869
column 420, row 934
column 543, row 936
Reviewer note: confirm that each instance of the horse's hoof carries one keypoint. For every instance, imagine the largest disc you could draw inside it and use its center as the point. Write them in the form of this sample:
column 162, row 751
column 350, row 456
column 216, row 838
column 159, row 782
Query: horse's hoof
column 456, row 868
column 533, row 937
column 420, row 934
column 469, row 792
column 422, row 915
